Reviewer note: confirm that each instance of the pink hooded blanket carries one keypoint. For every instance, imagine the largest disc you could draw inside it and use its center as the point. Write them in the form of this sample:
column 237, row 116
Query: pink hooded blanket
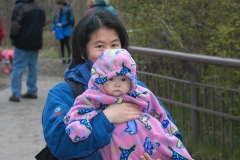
column 152, row 132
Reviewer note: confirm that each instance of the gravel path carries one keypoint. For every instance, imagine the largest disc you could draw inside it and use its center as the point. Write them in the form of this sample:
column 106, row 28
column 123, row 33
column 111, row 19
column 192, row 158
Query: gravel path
column 21, row 135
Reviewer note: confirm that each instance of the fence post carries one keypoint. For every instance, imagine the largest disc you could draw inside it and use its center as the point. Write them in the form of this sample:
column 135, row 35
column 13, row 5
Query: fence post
column 194, row 98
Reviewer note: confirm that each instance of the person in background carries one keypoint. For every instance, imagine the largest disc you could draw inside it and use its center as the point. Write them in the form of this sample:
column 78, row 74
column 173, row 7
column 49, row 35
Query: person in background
column 26, row 34
column 1, row 31
column 100, row 5
column 91, row 36
column 90, row 3
column 64, row 20
column 6, row 57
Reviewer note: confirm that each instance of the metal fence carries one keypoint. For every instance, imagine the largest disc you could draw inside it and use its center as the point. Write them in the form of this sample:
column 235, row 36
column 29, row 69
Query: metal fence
column 212, row 114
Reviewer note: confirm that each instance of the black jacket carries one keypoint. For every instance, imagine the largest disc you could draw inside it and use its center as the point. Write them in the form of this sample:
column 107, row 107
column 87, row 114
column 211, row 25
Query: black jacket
column 27, row 22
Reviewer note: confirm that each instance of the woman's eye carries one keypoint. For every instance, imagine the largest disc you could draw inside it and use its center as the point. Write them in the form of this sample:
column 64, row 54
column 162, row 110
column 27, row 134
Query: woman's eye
column 114, row 45
column 100, row 46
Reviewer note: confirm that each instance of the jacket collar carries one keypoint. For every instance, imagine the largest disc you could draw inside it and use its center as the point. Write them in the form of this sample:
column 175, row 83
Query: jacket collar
column 80, row 73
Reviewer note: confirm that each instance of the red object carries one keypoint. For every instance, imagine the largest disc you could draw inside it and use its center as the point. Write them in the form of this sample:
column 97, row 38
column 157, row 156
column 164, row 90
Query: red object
column 1, row 31
column 6, row 69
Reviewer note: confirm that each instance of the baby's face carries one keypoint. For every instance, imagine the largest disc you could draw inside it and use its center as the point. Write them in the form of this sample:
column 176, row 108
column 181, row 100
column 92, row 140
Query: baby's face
column 117, row 86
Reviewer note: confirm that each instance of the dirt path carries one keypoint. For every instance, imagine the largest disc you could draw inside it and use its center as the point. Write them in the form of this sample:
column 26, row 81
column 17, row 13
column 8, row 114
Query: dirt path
column 21, row 135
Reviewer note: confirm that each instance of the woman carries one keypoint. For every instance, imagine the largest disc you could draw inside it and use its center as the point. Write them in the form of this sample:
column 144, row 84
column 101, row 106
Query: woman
column 63, row 21
column 93, row 34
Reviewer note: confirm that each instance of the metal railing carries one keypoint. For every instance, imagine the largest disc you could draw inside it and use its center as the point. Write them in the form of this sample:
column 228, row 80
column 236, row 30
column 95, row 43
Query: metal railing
column 218, row 118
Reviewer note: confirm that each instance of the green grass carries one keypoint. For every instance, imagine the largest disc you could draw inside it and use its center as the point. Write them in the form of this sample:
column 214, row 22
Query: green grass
column 205, row 150
column 49, row 53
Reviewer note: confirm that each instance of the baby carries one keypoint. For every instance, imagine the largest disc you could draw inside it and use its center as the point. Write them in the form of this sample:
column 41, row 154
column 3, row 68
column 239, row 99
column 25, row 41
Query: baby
column 6, row 57
column 113, row 80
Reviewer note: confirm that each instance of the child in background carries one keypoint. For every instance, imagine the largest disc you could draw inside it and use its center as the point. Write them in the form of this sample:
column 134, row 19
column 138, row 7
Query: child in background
column 6, row 57
column 62, row 27
column 113, row 80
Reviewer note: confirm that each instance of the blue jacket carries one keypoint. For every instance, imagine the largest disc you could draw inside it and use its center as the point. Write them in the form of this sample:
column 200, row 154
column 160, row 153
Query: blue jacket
column 66, row 18
column 59, row 101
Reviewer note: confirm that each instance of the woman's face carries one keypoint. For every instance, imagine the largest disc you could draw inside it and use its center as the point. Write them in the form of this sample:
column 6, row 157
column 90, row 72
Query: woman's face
column 100, row 40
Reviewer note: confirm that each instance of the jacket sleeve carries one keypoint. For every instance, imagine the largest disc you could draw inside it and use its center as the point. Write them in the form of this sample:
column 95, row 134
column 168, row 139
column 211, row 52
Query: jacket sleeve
column 16, row 21
column 59, row 101
column 1, row 31
column 69, row 19
column 78, row 119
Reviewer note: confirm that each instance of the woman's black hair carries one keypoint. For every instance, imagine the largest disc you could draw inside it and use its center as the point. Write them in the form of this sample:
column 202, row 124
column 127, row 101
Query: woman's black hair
column 87, row 26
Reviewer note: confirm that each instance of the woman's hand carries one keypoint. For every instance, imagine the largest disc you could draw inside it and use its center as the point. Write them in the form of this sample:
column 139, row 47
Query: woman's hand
column 145, row 156
column 121, row 112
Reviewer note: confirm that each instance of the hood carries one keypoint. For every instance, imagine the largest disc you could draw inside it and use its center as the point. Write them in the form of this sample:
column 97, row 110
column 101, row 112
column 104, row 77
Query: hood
column 66, row 8
column 80, row 73
column 111, row 63
column 25, row 1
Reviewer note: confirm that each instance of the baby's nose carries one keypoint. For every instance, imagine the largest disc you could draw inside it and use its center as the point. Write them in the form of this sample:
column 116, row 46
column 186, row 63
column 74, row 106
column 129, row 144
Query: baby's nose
column 117, row 84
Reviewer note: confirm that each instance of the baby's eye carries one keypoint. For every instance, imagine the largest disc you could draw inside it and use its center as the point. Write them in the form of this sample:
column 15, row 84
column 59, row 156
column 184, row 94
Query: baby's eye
column 110, row 79
column 124, row 79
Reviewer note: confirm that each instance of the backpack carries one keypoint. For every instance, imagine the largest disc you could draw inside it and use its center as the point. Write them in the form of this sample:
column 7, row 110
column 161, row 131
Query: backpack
column 70, row 17
column 45, row 153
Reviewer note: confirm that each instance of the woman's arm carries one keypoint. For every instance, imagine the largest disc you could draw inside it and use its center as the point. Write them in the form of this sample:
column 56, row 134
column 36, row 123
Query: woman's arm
column 16, row 21
column 77, row 120
column 58, row 103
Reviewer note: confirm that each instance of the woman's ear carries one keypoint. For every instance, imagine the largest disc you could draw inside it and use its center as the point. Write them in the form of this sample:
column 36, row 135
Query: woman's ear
column 83, row 58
